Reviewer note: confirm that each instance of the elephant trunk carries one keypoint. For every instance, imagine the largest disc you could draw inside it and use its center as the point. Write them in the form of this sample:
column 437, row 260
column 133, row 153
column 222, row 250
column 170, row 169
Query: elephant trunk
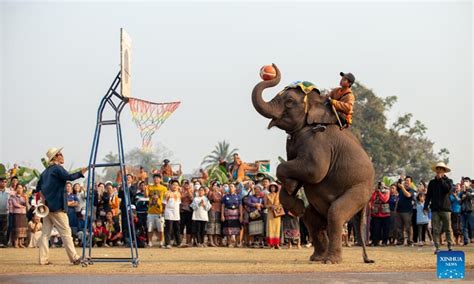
column 262, row 107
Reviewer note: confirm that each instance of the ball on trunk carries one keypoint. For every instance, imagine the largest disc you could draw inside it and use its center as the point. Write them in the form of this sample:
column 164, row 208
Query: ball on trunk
column 267, row 72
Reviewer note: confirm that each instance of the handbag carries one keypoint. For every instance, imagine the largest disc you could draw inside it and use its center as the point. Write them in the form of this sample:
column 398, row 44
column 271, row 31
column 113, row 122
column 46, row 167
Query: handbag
column 278, row 211
column 254, row 214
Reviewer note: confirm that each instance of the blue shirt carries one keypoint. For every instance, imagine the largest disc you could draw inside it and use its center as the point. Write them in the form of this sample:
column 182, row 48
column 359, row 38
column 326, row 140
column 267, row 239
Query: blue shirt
column 231, row 201
column 392, row 201
column 421, row 217
column 405, row 204
column 52, row 184
column 455, row 204
column 72, row 197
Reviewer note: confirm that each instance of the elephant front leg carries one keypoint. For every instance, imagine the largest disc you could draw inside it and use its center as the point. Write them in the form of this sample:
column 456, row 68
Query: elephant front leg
column 292, row 203
column 285, row 173
column 298, row 171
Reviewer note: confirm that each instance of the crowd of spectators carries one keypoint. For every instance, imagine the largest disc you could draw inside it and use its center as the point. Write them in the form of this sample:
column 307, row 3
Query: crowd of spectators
column 171, row 212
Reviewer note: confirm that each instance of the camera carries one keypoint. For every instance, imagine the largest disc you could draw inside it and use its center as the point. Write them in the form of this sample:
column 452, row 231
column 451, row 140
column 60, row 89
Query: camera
column 379, row 185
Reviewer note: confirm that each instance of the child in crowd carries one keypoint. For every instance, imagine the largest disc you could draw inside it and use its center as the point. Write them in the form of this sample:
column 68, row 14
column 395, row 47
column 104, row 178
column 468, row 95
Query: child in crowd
column 34, row 227
column 345, row 235
column 422, row 220
column 100, row 234
column 115, row 235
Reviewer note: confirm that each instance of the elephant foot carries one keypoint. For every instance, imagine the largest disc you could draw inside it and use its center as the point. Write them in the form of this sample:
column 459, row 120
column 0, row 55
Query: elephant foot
column 332, row 259
column 317, row 257
column 290, row 185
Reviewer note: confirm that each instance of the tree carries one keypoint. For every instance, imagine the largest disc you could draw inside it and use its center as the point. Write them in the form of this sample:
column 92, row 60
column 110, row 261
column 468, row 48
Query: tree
column 221, row 153
column 401, row 148
column 137, row 158
column 148, row 160
column 110, row 172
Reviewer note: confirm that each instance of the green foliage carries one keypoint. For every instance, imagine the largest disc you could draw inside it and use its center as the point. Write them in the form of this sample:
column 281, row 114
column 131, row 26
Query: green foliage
column 220, row 153
column 399, row 148
column 3, row 171
column 219, row 173
column 387, row 181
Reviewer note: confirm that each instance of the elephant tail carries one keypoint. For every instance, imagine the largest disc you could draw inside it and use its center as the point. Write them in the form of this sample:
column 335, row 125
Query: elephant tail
column 362, row 235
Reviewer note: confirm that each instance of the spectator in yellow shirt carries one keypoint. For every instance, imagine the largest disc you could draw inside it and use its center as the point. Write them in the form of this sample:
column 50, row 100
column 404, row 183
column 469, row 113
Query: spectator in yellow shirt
column 155, row 220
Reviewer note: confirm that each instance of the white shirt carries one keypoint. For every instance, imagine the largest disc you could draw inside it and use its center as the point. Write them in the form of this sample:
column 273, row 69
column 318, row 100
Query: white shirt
column 200, row 212
column 172, row 209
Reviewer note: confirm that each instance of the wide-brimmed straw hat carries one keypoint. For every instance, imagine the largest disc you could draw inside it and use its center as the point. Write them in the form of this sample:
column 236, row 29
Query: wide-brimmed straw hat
column 52, row 152
column 440, row 165
column 273, row 184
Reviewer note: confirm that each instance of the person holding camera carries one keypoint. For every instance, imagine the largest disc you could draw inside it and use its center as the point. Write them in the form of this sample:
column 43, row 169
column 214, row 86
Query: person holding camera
column 437, row 199
column 467, row 214
column 406, row 196
column 380, row 212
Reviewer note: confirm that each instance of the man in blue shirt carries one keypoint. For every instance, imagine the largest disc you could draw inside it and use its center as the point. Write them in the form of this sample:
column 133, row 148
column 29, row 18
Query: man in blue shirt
column 52, row 186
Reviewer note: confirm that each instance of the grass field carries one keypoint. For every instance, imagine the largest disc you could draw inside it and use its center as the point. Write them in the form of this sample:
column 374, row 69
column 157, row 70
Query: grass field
column 226, row 260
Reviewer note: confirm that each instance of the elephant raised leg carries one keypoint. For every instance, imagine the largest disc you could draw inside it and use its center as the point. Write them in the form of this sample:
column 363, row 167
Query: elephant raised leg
column 317, row 224
column 292, row 203
column 339, row 212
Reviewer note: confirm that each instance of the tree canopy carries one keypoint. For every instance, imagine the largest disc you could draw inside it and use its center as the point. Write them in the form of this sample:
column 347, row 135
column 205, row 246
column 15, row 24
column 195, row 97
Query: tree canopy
column 137, row 158
column 400, row 148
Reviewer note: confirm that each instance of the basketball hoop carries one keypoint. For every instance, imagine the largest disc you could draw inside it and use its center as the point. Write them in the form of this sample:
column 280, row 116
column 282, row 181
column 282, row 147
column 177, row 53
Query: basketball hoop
column 148, row 117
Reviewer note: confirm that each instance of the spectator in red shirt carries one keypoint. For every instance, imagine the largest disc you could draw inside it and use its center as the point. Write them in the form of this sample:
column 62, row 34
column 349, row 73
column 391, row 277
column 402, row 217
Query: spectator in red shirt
column 380, row 213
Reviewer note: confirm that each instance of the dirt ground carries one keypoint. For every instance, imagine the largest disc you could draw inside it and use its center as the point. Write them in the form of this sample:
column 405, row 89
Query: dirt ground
column 226, row 261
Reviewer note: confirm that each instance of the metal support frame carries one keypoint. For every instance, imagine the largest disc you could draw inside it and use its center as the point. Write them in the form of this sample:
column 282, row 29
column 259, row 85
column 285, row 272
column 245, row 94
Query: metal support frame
column 88, row 232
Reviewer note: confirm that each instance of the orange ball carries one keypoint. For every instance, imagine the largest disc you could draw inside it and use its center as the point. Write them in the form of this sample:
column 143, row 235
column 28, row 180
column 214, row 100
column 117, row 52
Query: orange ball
column 267, row 72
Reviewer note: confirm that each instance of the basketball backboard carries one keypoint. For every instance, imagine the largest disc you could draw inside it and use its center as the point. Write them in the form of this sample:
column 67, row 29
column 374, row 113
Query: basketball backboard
column 125, row 62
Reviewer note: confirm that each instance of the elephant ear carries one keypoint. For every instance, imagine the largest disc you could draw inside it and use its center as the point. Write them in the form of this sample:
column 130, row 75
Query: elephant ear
column 316, row 111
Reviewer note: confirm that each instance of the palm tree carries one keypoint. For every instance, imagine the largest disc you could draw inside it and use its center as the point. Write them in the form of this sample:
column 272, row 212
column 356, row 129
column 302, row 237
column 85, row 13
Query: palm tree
column 219, row 154
column 110, row 172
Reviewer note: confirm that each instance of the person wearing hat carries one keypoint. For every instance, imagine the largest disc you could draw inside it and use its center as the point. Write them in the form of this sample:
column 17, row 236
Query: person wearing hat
column 167, row 171
column 437, row 199
column 343, row 99
column 273, row 222
column 51, row 185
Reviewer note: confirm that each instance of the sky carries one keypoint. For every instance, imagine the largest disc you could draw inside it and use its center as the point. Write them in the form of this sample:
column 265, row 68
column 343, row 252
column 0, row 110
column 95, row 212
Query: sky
column 57, row 60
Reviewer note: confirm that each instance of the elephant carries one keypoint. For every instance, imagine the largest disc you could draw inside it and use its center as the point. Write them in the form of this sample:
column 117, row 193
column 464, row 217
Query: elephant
column 329, row 163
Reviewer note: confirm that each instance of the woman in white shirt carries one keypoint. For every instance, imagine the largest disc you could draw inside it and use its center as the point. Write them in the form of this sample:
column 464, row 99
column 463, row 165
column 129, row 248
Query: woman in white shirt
column 172, row 202
column 200, row 206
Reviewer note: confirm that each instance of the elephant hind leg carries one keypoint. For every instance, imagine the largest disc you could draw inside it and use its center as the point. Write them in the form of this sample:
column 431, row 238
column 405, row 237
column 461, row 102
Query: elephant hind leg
column 316, row 225
column 343, row 208
column 360, row 227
